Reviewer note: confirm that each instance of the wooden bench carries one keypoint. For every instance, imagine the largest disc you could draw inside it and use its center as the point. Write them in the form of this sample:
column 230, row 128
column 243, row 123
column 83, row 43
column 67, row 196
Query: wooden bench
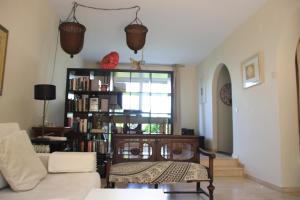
column 159, row 159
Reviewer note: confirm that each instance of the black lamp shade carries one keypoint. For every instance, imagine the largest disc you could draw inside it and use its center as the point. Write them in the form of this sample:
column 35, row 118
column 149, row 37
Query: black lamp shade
column 44, row 92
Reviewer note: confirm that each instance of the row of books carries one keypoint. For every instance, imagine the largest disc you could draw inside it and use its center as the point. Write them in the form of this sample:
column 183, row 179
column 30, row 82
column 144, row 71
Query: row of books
column 80, row 83
column 84, row 83
column 86, row 104
column 99, row 146
column 81, row 125
column 96, row 145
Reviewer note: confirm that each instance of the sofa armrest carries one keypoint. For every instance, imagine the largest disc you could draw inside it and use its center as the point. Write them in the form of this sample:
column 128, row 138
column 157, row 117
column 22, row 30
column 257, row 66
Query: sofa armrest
column 60, row 162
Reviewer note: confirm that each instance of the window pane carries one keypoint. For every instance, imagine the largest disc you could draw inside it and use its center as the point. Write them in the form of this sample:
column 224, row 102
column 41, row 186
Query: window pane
column 126, row 101
column 133, row 87
column 130, row 102
column 134, row 102
column 160, row 83
column 160, row 103
column 146, row 105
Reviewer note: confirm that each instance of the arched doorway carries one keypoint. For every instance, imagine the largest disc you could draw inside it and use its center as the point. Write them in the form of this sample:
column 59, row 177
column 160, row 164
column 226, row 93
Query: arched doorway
column 222, row 106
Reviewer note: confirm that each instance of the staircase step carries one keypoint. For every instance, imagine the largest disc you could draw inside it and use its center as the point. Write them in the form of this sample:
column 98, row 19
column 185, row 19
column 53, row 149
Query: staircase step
column 229, row 172
column 225, row 166
column 222, row 162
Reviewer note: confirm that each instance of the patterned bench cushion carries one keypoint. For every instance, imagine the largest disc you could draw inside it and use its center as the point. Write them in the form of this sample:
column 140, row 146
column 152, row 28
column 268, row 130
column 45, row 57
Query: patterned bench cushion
column 161, row 172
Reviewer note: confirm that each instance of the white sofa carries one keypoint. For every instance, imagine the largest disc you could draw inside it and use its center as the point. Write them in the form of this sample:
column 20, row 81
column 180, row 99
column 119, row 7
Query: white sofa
column 55, row 186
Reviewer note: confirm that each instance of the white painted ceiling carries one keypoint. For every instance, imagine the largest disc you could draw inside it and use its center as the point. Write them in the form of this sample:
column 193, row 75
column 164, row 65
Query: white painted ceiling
column 180, row 31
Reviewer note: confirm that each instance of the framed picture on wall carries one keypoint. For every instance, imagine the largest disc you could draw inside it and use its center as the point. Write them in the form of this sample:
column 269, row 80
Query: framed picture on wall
column 251, row 71
column 3, row 47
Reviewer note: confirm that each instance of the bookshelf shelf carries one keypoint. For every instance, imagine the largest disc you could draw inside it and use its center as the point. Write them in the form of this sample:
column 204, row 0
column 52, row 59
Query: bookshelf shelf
column 95, row 92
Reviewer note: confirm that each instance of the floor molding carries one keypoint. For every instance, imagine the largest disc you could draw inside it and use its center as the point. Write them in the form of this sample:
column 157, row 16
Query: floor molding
column 272, row 186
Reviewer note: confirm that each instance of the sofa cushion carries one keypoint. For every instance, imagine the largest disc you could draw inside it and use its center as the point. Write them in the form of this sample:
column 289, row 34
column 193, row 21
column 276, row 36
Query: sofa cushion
column 69, row 186
column 19, row 164
column 160, row 172
column 3, row 182
column 44, row 157
column 5, row 129
column 72, row 162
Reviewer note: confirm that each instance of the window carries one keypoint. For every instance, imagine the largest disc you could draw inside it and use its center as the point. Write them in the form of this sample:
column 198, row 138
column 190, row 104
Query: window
column 147, row 100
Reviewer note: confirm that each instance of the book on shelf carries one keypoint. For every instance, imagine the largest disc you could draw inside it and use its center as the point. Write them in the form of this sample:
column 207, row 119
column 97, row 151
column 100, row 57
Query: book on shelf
column 70, row 122
column 80, row 83
column 104, row 105
column 99, row 146
column 95, row 145
column 80, row 125
column 83, row 124
column 94, row 104
column 78, row 104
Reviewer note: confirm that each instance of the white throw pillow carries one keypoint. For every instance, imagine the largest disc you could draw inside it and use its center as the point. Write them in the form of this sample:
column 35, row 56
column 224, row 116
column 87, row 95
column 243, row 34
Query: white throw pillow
column 72, row 162
column 19, row 164
column 3, row 182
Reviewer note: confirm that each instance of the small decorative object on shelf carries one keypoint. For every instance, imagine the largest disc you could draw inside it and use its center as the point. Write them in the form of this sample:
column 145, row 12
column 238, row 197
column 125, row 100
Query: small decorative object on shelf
column 110, row 61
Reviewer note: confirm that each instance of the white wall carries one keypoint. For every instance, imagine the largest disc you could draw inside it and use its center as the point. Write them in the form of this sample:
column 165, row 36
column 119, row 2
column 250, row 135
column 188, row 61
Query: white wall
column 32, row 26
column 224, row 115
column 188, row 97
column 265, row 128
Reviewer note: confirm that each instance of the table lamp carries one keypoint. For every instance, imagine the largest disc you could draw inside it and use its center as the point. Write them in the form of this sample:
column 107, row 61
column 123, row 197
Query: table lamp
column 44, row 92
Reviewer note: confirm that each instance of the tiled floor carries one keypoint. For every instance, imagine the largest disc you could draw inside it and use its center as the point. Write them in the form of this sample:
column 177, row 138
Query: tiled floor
column 226, row 189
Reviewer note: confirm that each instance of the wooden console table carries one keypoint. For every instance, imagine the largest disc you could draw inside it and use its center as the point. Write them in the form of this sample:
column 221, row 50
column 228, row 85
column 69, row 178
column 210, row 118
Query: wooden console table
column 53, row 131
column 55, row 145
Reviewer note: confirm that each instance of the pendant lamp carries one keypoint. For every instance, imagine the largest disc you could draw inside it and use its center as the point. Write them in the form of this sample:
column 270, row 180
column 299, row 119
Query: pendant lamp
column 71, row 37
column 72, row 32
column 136, row 36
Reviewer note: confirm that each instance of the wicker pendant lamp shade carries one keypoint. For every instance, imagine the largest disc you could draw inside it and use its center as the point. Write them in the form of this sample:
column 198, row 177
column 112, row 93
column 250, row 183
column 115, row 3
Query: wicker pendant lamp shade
column 72, row 32
column 71, row 37
column 136, row 36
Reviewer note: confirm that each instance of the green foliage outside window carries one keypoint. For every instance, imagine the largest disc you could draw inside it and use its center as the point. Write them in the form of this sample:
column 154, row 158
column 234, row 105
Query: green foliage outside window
column 154, row 128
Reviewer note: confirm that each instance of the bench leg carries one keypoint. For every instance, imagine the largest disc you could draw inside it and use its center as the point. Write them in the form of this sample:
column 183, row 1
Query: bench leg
column 211, row 189
column 198, row 186
column 113, row 185
column 156, row 186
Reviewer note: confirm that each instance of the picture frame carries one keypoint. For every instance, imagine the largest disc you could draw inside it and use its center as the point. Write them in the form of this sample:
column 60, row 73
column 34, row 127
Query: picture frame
column 251, row 71
column 3, row 49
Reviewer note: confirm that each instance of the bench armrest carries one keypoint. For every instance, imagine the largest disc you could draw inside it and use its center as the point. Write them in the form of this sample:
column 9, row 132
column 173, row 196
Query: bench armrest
column 211, row 157
column 206, row 153
column 109, row 158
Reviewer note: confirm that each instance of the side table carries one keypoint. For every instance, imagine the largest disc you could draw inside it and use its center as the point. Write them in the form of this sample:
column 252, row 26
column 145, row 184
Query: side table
column 53, row 131
column 54, row 145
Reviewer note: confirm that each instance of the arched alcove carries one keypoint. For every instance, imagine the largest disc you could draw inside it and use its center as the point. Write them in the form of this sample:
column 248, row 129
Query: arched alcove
column 222, row 111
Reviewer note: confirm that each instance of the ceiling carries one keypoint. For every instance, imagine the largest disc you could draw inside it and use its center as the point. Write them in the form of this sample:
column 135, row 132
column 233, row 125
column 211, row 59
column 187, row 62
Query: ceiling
column 180, row 31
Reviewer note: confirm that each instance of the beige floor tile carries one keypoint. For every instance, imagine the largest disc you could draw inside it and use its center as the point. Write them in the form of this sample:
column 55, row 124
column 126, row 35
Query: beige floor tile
column 227, row 188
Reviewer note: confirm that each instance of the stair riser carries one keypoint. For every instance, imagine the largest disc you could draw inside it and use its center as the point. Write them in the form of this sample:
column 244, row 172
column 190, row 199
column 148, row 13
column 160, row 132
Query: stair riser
column 222, row 163
column 229, row 173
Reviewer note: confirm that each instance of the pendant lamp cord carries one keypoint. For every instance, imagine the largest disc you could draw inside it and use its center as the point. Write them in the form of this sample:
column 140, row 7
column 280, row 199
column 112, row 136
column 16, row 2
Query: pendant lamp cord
column 72, row 15
column 53, row 68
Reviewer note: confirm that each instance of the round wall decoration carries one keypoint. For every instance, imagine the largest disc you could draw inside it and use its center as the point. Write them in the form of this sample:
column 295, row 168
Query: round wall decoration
column 225, row 94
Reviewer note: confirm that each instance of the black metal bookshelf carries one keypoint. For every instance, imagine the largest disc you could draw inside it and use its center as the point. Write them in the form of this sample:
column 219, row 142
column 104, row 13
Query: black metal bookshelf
column 95, row 105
